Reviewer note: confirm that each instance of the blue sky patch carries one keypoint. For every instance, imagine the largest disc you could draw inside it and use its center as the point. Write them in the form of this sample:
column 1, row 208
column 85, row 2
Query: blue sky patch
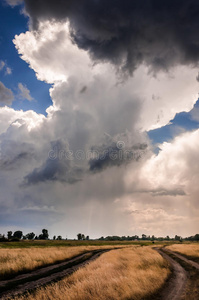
column 183, row 121
column 13, row 22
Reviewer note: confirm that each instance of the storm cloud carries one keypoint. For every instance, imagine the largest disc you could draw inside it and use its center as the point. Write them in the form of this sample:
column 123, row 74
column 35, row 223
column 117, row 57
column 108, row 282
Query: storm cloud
column 128, row 33
column 115, row 154
column 58, row 166
column 78, row 46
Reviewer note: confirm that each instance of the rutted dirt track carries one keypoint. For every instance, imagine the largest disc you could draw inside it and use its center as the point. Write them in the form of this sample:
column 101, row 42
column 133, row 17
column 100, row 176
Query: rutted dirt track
column 190, row 262
column 176, row 287
column 45, row 275
column 178, row 281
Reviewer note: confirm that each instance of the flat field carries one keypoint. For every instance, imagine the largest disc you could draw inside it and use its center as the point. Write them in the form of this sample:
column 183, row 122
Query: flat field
column 131, row 270
column 19, row 260
column 71, row 243
column 25, row 256
column 128, row 273
column 189, row 250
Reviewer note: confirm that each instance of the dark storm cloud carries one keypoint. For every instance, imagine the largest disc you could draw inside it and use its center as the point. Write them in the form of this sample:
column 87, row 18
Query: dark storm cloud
column 58, row 167
column 115, row 154
column 128, row 33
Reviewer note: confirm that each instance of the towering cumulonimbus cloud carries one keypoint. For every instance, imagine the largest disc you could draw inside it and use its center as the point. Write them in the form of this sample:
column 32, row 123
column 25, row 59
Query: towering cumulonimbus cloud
column 128, row 33
column 89, row 163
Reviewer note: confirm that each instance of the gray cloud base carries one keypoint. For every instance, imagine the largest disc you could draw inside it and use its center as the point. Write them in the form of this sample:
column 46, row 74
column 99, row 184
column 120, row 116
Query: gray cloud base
column 128, row 33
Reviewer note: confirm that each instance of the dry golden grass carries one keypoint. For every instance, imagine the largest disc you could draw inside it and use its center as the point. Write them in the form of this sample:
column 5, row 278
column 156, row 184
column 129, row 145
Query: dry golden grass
column 13, row 261
column 130, row 273
column 191, row 250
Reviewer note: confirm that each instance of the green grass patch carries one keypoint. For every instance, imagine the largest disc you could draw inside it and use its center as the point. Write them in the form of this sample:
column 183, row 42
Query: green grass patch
column 74, row 243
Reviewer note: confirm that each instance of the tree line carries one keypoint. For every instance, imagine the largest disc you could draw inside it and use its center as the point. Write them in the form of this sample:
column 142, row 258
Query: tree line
column 18, row 235
column 145, row 237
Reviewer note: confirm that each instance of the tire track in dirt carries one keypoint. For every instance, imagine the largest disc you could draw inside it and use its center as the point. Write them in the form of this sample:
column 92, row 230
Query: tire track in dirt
column 30, row 281
column 20, row 284
column 188, row 261
column 176, row 286
column 42, row 271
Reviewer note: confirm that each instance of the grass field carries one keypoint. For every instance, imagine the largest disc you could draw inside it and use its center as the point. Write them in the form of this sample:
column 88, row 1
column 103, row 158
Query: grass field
column 19, row 260
column 128, row 273
column 189, row 250
column 68, row 243
column 24, row 256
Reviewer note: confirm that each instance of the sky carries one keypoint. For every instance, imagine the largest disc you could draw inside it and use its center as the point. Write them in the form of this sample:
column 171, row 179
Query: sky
column 99, row 117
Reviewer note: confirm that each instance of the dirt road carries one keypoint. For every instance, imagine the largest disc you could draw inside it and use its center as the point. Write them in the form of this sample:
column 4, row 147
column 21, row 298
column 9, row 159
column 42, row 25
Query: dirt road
column 188, row 261
column 181, row 280
column 175, row 289
column 177, row 284
column 26, row 282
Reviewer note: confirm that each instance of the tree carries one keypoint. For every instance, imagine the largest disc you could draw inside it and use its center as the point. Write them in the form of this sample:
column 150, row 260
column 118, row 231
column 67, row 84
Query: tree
column 59, row 238
column 144, row 236
column 2, row 238
column 54, row 237
column 196, row 237
column 87, row 237
column 18, row 234
column 178, row 238
column 9, row 234
column 44, row 235
column 30, row 236
column 79, row 236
